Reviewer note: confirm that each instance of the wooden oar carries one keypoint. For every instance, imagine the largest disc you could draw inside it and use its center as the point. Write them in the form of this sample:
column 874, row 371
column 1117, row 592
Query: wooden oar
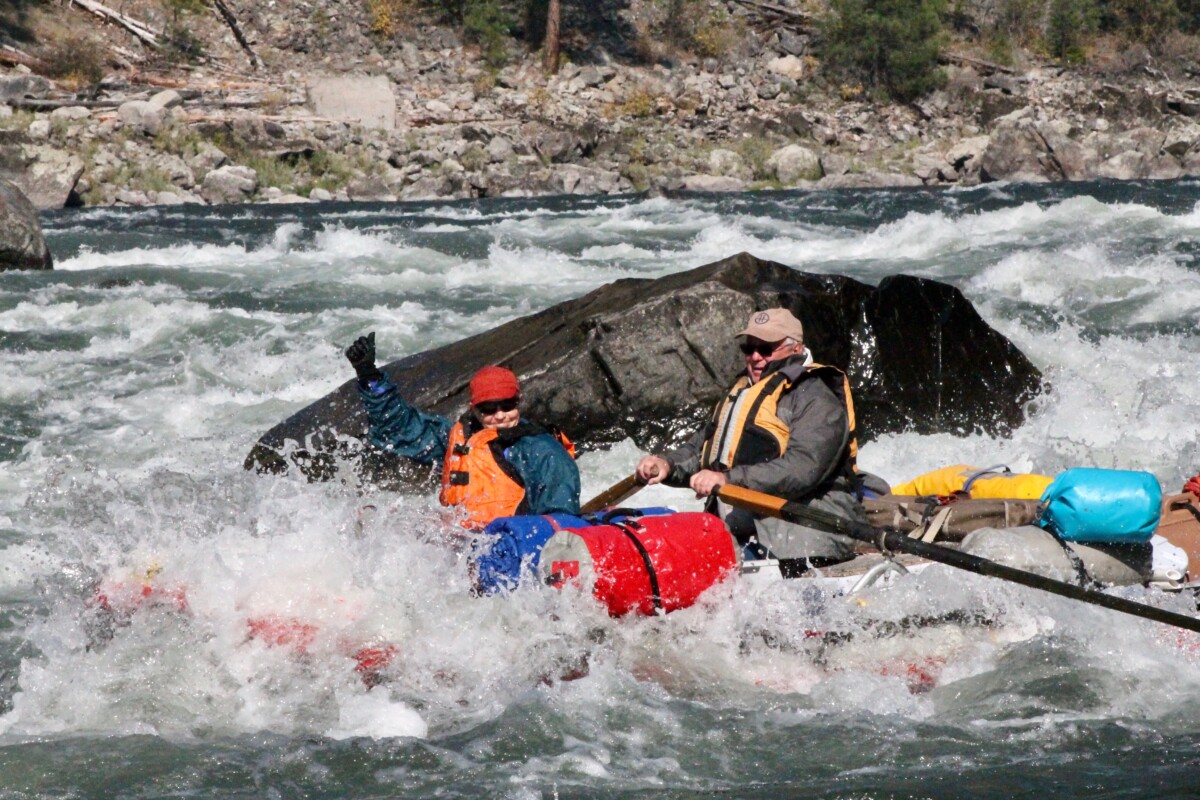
column 617, row 493
column 895, row 541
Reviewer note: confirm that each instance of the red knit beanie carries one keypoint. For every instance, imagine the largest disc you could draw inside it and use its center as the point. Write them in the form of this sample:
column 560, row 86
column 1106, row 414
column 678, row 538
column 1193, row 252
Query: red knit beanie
column 493, row 383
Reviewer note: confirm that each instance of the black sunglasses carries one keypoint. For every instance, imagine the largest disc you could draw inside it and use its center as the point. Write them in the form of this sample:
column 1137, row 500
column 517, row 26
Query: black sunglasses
column 765, row 349
column 490, row 407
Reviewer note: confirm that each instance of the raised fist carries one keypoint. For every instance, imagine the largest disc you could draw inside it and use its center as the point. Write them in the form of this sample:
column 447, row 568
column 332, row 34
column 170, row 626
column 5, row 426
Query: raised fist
column 362, row 352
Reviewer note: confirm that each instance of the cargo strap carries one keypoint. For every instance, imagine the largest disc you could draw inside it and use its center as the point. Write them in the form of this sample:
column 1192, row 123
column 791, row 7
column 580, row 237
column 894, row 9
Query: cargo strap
column 630, row 528
column 930, row 527
column 1083, row 578
column 995, row 469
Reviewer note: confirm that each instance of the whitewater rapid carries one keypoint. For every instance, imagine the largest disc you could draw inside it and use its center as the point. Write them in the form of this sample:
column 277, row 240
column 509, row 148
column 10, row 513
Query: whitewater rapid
column 135, row 378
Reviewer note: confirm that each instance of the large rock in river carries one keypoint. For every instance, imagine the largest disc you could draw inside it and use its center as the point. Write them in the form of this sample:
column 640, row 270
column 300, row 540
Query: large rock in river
column 647, row 359
column 21, row 242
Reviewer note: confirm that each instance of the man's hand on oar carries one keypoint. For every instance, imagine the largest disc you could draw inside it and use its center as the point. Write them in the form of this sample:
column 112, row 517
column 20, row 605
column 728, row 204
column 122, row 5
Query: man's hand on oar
column 892, row 540
column 616, row 494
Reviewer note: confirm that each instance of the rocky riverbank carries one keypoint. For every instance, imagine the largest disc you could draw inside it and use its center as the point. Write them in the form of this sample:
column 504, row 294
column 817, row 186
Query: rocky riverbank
column 407, row 121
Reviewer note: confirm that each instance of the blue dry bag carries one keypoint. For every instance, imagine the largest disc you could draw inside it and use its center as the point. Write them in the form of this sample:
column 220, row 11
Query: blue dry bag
column 510, row 547
column 1102, row 505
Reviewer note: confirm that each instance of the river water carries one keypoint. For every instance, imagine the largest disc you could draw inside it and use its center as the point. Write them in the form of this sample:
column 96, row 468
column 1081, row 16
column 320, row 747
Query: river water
column 136, row 376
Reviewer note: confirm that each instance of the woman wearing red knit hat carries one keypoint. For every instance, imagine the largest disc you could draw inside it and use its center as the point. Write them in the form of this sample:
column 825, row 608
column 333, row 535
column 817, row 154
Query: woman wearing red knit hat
column 494, row 464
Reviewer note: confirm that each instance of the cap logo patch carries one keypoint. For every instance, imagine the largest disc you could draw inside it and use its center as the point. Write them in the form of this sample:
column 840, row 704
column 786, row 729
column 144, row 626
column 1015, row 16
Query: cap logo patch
column 762, row 318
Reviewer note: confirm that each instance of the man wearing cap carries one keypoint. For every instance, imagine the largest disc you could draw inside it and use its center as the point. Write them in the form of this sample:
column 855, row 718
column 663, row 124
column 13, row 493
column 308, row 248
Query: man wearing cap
column 786, row 428
column 494, row 464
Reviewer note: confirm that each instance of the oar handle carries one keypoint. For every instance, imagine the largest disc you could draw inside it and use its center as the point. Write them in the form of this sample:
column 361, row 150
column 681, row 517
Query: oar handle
column 893, row 540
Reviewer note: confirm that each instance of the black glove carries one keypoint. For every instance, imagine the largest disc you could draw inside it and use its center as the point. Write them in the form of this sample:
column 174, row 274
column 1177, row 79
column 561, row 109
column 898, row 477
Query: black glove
column 361, row 355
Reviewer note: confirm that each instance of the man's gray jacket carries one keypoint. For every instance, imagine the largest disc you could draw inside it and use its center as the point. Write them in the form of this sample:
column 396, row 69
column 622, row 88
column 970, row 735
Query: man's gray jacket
column 812, row 469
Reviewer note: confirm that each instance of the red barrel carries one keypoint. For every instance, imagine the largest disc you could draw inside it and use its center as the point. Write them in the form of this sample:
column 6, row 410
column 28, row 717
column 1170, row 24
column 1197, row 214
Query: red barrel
column 643, row 565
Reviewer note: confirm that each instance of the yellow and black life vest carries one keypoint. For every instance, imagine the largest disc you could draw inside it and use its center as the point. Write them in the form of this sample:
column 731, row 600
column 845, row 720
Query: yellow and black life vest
column 477, row 476
column 746, row 429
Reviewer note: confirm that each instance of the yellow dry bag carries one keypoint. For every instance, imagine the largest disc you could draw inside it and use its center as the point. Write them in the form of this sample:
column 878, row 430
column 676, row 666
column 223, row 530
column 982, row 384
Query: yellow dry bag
column 995, row 482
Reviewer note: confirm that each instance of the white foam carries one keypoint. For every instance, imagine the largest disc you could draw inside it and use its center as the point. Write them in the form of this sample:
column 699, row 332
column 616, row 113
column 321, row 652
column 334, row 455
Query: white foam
column 144, row 427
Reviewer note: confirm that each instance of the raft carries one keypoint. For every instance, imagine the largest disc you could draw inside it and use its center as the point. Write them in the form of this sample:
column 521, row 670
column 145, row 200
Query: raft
column 634, row 562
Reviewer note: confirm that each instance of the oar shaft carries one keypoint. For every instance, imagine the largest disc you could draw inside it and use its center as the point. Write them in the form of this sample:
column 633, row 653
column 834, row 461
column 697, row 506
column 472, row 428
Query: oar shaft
column 898, row 542
column 617, row 493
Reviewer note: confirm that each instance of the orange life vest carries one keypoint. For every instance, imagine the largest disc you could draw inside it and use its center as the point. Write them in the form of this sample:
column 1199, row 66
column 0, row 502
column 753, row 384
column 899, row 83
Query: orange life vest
column 477, row 476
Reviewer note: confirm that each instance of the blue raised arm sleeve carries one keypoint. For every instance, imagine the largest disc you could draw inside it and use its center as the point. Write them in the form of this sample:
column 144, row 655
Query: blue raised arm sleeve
column 401, row 428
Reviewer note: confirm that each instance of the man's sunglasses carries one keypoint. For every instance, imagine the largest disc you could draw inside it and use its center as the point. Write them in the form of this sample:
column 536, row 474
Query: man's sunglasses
column 492, row 406
column 764, row 349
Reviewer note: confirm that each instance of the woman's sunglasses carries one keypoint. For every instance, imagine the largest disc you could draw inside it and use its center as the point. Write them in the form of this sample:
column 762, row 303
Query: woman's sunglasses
column 764, row 349
column 492, row 406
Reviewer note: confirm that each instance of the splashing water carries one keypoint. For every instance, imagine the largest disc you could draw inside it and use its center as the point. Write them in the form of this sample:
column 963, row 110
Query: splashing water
column 184, row 627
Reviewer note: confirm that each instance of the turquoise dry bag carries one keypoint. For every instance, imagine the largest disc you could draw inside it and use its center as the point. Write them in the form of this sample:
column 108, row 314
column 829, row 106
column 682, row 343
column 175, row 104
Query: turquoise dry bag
column 1102, row 505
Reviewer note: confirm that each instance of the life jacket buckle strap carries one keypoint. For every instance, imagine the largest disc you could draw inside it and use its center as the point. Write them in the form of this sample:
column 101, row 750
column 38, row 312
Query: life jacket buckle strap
column 460, row 478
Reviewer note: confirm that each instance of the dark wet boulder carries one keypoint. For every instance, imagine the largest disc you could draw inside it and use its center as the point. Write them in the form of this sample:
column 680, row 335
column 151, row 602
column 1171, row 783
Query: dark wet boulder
column 647, row 359
column 21, row 242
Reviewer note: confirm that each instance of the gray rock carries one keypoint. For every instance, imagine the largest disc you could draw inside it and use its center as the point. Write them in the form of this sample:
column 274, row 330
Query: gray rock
column 1014, row 153
column 713, row 183
column 1191, row 164
column 21, row 243
column 1070, row 159
column 70, row 113
column 1123, row 166
column 791, row 43
column 369, row 188
column 208, row 158
column 560, row 145
column 870, row 179
column 169, row 199
column 964, row 156
column 141, row 116
column 24, row 87
column 128, row 197
column 288, row 198
column 993, row 106
column 360, row 99
column 500, row 149
column 769, row 90
column 44, row 174
column 229, row 185
column 788, row 66
column 933, row 168
column 1164, row 168
column 428, row 187
column 794, row 163
column 647, row 358
column 728, row 163
column 834, row 164
column 576, row 179
column 168, row 98
column 1181, row 138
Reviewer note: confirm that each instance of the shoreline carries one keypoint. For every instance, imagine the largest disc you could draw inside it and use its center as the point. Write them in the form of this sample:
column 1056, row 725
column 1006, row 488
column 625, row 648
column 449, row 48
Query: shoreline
column 438, row 124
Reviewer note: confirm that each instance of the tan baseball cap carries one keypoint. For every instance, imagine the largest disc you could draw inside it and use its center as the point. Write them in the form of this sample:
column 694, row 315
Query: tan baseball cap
column 772, row 325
